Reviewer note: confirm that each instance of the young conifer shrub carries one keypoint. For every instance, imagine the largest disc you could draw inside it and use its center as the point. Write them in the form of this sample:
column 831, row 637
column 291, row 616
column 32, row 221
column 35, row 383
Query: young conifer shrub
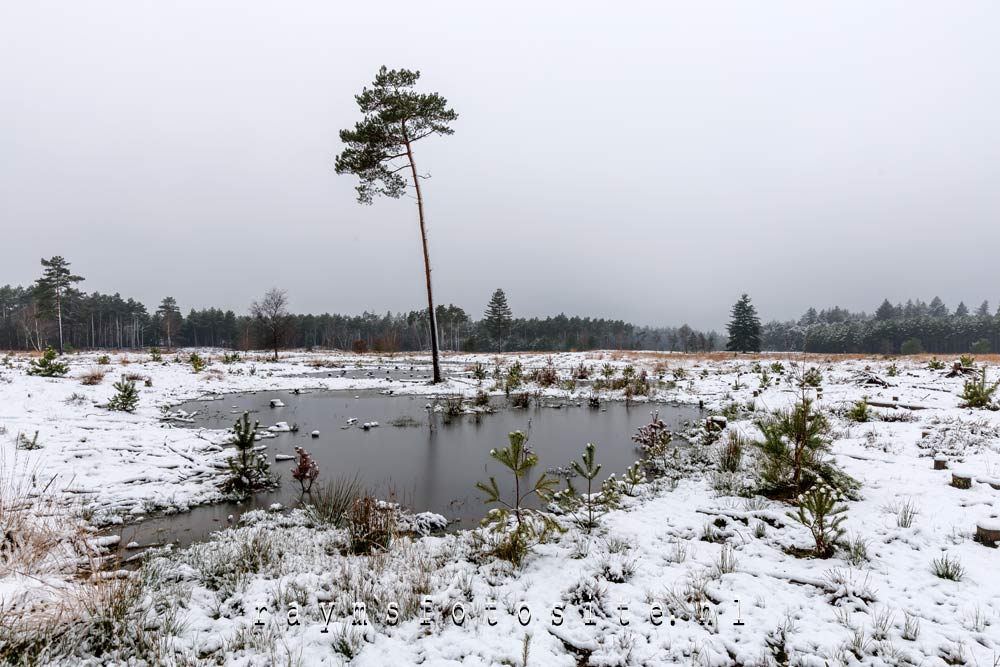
column 860, row 412
column 634, row 476
column 821, row 511
column 977, row 394
column 197, row 363
column 249, row 471
column 126, row 397
column 794, row 452
column 812, row 377
column 587, row 508
column 48, row 365
column 512, row 528
column 514, row 378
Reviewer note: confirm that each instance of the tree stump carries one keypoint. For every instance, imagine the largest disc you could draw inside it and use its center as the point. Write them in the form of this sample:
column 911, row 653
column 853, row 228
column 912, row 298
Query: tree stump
column 961, row 480
column 940, row 462
column 988, row 532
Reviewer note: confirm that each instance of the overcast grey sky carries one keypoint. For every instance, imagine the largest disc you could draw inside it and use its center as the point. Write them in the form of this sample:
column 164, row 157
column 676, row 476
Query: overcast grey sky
column 642, row 161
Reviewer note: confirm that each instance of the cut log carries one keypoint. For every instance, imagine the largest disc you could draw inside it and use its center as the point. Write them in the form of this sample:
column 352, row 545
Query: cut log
column 940, row 462
column 988, row 532
column 961, row 480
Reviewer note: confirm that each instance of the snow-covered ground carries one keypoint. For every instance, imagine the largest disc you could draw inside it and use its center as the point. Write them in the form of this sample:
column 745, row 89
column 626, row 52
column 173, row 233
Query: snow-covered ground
column 647, row 562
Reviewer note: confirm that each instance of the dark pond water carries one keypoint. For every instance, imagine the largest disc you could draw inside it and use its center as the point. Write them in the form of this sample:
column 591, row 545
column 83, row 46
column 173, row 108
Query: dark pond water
column 426, row 467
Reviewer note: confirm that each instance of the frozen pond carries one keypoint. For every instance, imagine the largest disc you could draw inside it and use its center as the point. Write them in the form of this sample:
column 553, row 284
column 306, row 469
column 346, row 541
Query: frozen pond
column 427, row 464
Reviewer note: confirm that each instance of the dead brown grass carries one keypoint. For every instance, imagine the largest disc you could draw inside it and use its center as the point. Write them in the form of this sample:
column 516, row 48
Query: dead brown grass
column 93, row 377
column 38, row 535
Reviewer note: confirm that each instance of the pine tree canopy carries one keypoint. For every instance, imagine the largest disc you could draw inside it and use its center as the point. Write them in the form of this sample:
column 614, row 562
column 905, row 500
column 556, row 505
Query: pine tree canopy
column 744, row 327
column 394, row 117
column 56, row 279
column 498, row 317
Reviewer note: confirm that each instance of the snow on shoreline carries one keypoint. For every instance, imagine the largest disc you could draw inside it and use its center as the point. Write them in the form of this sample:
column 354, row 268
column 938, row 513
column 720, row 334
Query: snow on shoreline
column 886, row 609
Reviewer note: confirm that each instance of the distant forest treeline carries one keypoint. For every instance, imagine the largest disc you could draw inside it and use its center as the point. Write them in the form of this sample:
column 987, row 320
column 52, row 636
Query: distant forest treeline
column 28, row 322
column 893, row 329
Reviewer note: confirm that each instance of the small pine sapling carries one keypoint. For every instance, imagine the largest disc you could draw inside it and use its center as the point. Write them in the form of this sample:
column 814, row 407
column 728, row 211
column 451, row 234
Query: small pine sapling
column 765, row 379
column 978, row 394
column 793, row 451
column 479, row 372
column 155, row 354
column 306, row 470
column 197, row 363
column 635, row 475
column 812, row 377
column 587, row 508
column 860, row 412
column 48, row 366
column 516, row 528
column 249, row 471
column 514, row 378
column 126, row 397
column 821, row 511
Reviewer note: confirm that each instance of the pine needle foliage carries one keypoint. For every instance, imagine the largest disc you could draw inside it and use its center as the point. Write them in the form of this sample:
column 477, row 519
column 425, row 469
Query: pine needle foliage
column 126, row 397
column 821, row 511
column 977, row 394
column 793, row 452
column 587, row 508
column 514, row 528
column 47, row 365
column 249, row 470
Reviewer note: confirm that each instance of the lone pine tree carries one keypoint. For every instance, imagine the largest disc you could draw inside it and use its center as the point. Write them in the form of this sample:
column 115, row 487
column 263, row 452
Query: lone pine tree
column 395, row 117
column 744, row 327
column 170, row 315
column 498, row 318
column 52, row 287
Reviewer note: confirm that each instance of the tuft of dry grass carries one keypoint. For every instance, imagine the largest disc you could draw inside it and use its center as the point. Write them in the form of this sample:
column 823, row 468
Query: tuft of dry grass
column 92, row 377
column 37, row 534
